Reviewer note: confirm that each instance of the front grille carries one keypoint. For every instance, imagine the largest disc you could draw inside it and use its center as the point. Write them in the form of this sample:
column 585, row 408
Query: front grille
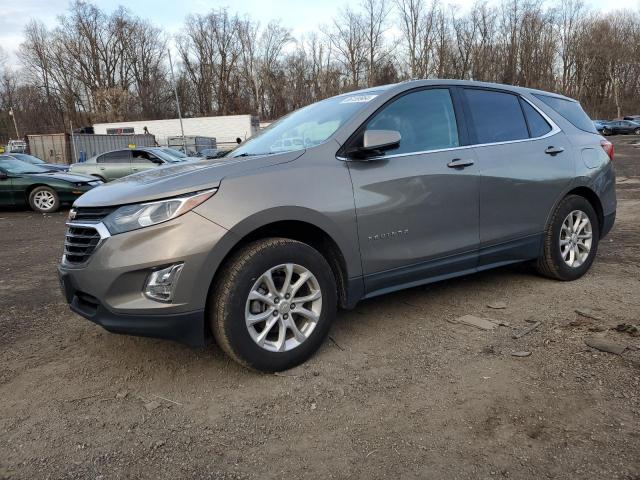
column 79, row 243
column 91, row 214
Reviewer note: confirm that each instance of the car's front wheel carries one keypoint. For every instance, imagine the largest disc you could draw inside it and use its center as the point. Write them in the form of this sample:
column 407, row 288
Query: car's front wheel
column 44, row 200
column 273, row 304
column 570, row 240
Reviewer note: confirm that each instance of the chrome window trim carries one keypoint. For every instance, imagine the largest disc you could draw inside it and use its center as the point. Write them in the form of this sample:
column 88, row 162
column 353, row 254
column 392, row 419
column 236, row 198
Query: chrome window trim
column 554, row 131
column 99, row 227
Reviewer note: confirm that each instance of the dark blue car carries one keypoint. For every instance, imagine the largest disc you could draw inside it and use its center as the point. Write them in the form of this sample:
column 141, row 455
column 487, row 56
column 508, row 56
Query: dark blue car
column 617, row 127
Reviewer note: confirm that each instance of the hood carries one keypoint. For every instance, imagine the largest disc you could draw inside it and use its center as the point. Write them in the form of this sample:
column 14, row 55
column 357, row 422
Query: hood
column 64, row 176
column 177, row 179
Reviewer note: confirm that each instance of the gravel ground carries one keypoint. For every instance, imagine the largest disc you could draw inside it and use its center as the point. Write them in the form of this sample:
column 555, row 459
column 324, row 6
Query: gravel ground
column 398, row 392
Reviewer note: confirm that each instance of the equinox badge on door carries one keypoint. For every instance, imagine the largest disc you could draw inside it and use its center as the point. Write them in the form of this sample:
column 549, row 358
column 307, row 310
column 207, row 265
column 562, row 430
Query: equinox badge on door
column 395, row 233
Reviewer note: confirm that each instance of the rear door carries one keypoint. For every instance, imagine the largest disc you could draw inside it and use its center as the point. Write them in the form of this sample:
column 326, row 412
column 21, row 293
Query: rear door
column 525, row 163
column 6, row 189
column 114, row 165
column 416, row 205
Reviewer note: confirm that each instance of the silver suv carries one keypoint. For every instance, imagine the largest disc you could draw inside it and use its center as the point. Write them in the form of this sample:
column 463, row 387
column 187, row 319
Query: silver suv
column 349, row 198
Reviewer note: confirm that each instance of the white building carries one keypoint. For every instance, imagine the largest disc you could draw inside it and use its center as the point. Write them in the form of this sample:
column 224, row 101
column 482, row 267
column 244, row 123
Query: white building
column 223, row 129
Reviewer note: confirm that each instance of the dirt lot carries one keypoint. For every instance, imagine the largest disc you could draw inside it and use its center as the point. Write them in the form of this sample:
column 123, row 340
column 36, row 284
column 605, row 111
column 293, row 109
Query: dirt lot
column 400, row 392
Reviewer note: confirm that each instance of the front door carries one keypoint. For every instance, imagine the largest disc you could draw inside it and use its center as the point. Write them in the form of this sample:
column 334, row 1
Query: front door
column 6, row 189
column 141, row 161
column 417, row 205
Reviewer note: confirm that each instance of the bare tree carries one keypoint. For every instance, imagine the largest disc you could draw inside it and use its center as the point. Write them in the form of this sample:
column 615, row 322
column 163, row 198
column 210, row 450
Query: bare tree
column 348, row 39
column 94, row 65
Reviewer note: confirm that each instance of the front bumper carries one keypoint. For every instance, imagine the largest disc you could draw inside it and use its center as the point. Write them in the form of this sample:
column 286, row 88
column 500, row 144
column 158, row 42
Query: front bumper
column 186, row 327
column 108, row 288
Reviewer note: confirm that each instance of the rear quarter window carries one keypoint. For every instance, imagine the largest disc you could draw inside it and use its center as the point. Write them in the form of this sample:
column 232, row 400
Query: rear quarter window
column 538, row 126
column 570, row 110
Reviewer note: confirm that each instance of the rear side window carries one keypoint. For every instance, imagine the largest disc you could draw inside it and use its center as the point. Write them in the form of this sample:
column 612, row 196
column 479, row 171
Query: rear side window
column 538, row 126
column 569, row 109
column 496, row 116
column 121, row 156
column 425, row 120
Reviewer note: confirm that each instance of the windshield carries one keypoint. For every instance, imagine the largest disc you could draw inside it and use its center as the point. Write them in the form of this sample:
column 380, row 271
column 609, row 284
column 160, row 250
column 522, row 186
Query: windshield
column 306, row 127
column 11, row 165
column 174, row 153
column 27, row 158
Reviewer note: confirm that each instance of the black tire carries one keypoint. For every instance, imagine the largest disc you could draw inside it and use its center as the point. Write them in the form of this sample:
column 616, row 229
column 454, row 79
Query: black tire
column 606, row 131
column 637, row 131
column 230, row 293
column 551, row 264
column 36, row 202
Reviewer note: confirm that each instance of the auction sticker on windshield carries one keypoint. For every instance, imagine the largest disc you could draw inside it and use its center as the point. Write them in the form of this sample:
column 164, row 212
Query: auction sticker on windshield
column 359, row 99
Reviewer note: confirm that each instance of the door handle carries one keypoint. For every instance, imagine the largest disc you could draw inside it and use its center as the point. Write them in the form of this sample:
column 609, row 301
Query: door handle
column 553, row 150
column 459, row 163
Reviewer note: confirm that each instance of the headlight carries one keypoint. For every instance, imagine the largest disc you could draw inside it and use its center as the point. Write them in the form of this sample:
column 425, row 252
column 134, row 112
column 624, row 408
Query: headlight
column 140, row 215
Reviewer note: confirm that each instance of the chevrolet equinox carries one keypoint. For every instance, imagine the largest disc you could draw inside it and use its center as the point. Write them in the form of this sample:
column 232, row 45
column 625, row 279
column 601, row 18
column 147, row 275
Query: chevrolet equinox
column 349, row 198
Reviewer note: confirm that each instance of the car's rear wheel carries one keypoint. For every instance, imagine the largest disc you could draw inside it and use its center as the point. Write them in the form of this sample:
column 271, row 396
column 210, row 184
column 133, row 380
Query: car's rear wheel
column 570, row 240
column 606, row 131
column 44, row 199
column 273, row 304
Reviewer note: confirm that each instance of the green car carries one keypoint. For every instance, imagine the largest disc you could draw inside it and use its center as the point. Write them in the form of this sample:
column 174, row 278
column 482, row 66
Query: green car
column 22, row 184
column 120, row 163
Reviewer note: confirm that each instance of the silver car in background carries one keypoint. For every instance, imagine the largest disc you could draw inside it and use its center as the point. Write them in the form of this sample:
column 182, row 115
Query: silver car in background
column 346, row 199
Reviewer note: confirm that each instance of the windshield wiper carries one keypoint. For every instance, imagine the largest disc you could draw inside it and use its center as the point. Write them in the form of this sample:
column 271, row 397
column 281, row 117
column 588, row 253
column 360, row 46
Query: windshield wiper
column 253, row 154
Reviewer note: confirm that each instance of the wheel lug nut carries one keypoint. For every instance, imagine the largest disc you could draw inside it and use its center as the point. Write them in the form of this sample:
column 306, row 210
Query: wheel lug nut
column 293, row 305
column 285, row 316
column 277, row 300
column 287, row 296
column 275, row 313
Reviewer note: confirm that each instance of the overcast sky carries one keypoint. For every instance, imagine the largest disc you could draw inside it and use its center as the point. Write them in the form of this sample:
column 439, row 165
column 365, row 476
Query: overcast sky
column 299, row 15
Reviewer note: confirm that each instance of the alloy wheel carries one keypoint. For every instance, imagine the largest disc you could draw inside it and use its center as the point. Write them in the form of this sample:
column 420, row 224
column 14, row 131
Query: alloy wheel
column 44, row 200
column 576, row 238
column 283, row 307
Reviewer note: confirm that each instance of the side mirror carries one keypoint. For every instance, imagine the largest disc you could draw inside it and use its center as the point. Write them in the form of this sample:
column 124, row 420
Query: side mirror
column 375, row 142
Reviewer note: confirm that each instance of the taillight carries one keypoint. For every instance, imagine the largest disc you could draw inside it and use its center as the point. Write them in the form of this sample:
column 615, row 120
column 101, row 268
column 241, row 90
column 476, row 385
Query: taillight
column 607, row 146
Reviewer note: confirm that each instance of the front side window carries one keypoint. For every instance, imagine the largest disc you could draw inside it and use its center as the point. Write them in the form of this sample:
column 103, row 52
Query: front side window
column 538, row 126
column 139, row 156
column 121, row 156
column 425, row 119
column 495, row 116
